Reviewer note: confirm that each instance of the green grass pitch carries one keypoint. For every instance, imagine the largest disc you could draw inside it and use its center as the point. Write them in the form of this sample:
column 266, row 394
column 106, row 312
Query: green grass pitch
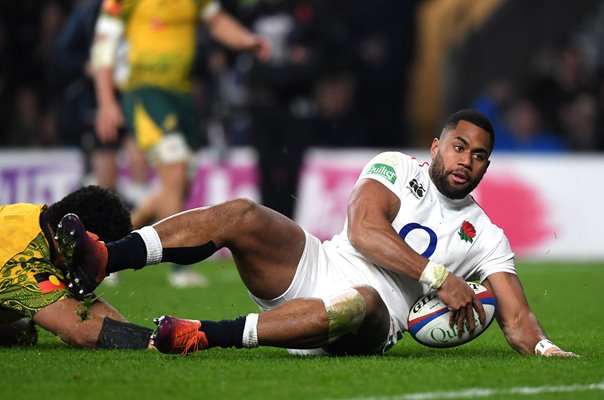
column 568, row 299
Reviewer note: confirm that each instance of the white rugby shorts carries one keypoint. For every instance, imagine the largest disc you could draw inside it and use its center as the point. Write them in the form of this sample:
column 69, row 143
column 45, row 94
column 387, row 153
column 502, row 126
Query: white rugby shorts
column 319, row 276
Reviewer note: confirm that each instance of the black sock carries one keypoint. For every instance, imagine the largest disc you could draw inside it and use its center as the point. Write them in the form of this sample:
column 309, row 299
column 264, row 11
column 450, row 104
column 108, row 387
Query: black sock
column 225, row 333
column 189, row 255
column 128, row 252
column 122, row 335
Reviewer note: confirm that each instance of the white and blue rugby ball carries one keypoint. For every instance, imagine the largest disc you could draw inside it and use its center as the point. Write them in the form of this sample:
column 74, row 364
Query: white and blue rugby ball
column 428, row 320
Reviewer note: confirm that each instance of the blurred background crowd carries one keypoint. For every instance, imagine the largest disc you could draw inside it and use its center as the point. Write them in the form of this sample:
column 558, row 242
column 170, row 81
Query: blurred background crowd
column 343, row 73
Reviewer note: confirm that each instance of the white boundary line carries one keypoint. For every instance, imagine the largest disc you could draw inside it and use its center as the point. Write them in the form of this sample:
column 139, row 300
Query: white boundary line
column 488, row 392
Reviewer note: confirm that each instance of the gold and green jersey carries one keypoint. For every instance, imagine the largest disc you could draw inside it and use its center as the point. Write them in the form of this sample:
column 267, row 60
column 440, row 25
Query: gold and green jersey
column 160, row 40
column 28, row 279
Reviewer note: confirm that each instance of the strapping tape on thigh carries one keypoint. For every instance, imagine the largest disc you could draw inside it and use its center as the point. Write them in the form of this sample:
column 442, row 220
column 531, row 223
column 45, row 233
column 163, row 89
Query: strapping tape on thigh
column 345, row 312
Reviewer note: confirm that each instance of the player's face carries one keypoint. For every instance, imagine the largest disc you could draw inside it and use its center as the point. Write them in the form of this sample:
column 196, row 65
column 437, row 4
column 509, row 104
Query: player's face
column 460, row 159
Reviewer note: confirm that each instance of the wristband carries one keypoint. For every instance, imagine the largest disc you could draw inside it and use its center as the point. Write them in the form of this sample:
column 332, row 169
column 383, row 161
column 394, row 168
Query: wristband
column 434, row 275
column 543, row 346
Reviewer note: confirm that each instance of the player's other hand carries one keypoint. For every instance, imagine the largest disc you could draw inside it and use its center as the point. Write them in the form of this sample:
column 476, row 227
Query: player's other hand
column 558, row 352
column 463, row 302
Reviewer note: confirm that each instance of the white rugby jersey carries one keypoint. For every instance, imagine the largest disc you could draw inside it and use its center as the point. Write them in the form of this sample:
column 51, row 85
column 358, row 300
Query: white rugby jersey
column 455, row 233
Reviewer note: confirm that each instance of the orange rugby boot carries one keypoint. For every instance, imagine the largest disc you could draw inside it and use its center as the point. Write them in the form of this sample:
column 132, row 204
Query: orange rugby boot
column 178, row 336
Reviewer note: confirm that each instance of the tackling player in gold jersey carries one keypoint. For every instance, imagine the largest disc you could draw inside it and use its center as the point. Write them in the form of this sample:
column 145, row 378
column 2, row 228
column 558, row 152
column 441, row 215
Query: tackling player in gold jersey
column 32, row 275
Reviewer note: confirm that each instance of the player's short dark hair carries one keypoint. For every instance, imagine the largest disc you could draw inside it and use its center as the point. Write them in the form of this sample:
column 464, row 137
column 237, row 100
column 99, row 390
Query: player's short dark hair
column 474, row 117
column 101, row 211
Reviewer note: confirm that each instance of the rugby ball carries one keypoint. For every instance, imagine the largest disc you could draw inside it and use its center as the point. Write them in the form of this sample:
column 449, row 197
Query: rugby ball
column 428, row 320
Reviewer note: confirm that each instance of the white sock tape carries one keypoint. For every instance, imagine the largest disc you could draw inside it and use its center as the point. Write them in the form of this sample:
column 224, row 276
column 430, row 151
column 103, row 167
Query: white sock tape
column 543, row 346
column 152, row 243
column 250, row 331
column 434, row 275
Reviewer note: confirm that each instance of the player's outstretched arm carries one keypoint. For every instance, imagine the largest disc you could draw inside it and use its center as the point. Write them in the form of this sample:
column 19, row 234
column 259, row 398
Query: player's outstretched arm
column 520, row 326
column 229, row 32
column 96, row 326
column 73, row 323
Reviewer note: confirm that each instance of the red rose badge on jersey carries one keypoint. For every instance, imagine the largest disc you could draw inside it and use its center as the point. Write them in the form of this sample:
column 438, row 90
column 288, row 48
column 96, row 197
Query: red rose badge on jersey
column 467, row 232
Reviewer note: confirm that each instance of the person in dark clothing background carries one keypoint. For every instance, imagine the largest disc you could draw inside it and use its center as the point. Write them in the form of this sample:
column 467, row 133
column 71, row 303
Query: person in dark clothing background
column 282, row 106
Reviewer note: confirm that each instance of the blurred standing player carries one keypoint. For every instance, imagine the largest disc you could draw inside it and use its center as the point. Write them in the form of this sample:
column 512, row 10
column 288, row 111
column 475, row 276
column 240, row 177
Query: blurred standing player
column 282, row 106
column 73, row 60
column 155, row 82
column 32, row 275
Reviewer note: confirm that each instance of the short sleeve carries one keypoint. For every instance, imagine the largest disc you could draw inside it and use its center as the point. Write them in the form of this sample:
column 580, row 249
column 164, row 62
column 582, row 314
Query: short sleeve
column 209, row 8
column 390, row 169
column 500, row 259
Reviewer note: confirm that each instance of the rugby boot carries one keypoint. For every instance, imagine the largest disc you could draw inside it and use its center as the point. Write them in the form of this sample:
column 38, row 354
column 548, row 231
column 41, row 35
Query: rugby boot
column 178, row 336
column 85, row 255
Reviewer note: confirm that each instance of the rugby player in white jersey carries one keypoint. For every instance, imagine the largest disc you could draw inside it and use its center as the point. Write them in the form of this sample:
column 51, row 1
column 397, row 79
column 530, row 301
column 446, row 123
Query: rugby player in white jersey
column 410, row 228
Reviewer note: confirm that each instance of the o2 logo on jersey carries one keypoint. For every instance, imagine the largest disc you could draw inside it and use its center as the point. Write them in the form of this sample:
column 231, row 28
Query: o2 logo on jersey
column 433, row 239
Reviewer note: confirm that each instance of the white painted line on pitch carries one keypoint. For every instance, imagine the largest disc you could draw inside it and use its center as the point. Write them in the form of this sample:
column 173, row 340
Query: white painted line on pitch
column 487, row 392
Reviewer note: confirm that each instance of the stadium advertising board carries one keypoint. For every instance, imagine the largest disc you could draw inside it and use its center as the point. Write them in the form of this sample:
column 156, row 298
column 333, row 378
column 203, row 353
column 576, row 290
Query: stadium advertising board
column 548, row 205
column 38, row 176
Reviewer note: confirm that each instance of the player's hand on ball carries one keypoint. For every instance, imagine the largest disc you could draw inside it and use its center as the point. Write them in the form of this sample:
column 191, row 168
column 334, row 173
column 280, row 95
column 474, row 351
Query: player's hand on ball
column 546, row 348
column 461, row 299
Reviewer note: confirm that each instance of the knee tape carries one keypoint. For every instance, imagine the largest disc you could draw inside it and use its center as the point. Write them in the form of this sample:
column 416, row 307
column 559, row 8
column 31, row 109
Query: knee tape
column 345, row 312
column 172, row 148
